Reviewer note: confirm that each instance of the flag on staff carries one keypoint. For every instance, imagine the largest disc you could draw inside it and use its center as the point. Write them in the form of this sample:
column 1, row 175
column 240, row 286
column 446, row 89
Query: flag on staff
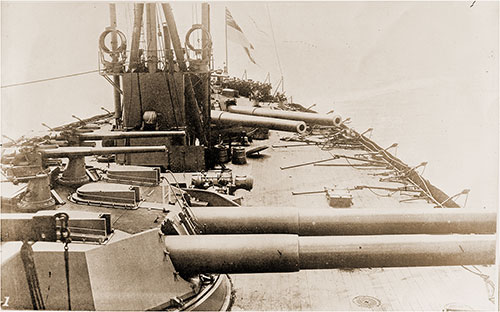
column 235, row 34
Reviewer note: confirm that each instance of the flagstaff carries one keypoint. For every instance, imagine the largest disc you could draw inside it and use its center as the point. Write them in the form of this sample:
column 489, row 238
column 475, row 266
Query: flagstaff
column 225, row 36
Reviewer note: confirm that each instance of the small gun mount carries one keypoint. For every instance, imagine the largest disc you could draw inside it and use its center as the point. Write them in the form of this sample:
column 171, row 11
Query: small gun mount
column 32, row 165
column 38, row 195
column 75, row 172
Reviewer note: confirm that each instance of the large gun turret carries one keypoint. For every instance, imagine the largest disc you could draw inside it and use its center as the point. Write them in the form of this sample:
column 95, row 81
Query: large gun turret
column 176, row 262
column 258, row 240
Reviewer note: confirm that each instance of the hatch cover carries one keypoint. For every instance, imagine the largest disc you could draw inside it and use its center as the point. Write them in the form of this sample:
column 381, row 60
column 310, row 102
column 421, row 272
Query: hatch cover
column 366, row 301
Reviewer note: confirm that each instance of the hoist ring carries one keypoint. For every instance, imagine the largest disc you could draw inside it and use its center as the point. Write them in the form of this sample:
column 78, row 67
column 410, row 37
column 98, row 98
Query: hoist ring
column 203, row 29
column 64, row 232
column 105, row 49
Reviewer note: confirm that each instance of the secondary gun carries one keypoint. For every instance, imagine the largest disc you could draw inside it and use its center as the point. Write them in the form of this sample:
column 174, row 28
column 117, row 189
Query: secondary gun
column 35, row 170
column 75, row 173
column 230, row 119
column 76, row 138
column 309, row 118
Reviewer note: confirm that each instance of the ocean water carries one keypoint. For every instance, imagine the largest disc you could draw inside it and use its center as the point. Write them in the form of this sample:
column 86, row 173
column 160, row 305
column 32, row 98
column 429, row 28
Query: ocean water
column 424, row 75
column 459, row 141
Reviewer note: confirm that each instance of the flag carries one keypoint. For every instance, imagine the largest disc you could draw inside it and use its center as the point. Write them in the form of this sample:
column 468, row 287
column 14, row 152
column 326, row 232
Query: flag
column 235, row 34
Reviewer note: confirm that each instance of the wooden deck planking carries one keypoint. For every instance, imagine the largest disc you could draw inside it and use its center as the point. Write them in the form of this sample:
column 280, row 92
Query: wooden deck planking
column 319, row 295
column 389, row 292
column 378, row 289
column 398, row 289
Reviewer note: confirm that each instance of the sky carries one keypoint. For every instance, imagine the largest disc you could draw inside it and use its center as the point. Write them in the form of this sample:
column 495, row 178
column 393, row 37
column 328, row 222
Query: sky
column 329, row 51
column 424, row 74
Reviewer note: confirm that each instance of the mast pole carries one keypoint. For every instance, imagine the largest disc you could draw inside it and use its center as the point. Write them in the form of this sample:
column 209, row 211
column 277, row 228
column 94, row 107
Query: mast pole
column 168, row 49
column 116, row 78
column 192, row 109
column 151, row 34
column 225, row 33
column 205, row 20
column 136, row 36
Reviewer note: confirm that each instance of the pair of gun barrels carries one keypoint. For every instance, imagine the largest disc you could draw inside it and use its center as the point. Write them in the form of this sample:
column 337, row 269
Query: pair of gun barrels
column 272, row 119
column 259, row 240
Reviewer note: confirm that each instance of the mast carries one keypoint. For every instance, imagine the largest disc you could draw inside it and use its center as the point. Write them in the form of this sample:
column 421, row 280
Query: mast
column 282, row 82
column 168, row 49
column 116, row 78
column 191, row 105
column 205, row 21
column 151, row 42
column 136, row 35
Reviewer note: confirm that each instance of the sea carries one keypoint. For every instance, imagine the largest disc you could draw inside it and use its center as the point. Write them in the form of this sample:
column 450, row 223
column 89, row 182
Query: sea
column 423, row 75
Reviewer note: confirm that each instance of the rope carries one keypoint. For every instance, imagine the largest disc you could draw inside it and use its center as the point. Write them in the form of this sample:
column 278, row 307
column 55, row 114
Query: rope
column 124, row 212
column 159, row 29
column 48, row 79
column 427, row 192
column 274, row 40
column 66, row 266
column 128, row 19
column 171, row 94
column 357, row 167
column 487, row 281
column 381, row 195
column 186, row 208
column 178, row 186
column 28, row 260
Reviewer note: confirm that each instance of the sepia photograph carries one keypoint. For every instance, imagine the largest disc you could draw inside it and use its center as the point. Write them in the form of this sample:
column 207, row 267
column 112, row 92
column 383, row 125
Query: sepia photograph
column 249, row 156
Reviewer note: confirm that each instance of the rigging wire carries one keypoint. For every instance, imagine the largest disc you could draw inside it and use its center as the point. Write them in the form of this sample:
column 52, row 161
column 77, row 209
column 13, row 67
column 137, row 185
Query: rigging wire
column 49, row 79
column 197, row 21
column 128, row 20
column 381, row 195
column 490, row 285
column 160, row 39
column 275, row 46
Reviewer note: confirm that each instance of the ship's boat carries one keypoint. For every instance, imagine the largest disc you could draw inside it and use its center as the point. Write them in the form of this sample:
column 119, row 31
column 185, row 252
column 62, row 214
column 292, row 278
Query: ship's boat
column 150, row 207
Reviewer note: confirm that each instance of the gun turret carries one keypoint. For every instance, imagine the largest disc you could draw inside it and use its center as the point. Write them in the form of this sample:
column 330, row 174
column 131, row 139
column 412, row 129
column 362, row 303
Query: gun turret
column 175, row 261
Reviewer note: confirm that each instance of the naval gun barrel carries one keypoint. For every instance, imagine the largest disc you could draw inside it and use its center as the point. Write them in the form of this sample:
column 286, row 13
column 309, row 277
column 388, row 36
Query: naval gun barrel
column 95, row 136
column 230, row 119
column 193, row 254
column 309, row 118
column 321, row 221
column 75, row 172
column 78, row 151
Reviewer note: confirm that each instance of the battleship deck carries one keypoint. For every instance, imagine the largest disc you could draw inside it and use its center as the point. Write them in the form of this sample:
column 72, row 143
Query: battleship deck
column 418, row 288
column 399, row 289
